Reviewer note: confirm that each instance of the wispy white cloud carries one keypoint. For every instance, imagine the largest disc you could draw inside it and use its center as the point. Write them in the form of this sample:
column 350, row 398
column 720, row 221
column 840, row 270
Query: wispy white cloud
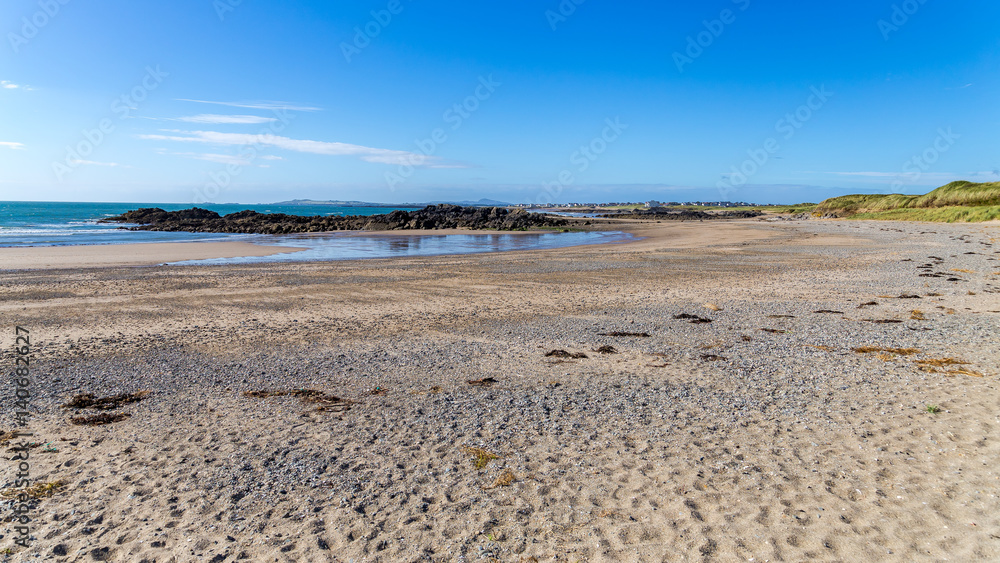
column 265, row 104
column 212, row 157
column 222, row 158
column 367, row 154
column 226, row 119
column 11, row 86
column 94, row 163
column 12, row 145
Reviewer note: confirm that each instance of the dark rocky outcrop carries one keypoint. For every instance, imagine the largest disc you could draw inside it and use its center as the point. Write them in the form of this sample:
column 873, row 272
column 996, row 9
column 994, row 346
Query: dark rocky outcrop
column 442, row 216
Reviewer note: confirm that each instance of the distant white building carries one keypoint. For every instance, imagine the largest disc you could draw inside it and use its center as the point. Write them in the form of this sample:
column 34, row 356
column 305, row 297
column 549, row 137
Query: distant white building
column 653, row 203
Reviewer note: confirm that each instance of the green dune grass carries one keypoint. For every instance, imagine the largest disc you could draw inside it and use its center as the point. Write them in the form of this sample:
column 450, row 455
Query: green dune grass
column 955, row 202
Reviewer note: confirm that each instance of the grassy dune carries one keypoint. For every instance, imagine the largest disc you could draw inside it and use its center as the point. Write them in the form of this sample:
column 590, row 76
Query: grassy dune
column 955, row 202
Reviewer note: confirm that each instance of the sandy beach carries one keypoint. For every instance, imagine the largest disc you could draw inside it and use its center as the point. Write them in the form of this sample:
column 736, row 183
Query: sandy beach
column 145, row 254
column 717, row 391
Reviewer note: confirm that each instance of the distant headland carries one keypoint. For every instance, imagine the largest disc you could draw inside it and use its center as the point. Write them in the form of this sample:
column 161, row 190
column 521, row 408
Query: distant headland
column 334, row 203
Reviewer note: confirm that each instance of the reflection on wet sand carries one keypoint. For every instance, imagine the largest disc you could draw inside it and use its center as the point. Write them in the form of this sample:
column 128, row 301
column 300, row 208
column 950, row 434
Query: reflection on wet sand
column 341, row 246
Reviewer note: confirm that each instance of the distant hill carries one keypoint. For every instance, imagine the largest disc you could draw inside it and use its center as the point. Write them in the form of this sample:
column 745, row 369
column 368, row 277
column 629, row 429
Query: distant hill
column 958, row 201
column 481, row 203
column 333, row 203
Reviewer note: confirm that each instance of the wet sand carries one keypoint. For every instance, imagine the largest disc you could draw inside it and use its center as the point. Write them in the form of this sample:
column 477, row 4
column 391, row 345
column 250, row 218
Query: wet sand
column 149, row 254
column 144, row 254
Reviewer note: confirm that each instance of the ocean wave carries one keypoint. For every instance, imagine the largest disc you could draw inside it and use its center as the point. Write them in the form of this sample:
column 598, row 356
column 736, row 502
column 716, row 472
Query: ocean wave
column 11, row 231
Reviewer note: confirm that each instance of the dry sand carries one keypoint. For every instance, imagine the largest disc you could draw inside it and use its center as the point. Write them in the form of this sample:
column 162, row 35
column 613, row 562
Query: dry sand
column 761, row 436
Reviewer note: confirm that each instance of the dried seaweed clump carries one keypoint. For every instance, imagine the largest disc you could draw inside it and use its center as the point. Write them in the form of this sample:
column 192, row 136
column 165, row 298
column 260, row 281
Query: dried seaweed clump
column 480, row 457
column 941, row 362
column 326, row 403
column 99, row 419
column 482, row 382
column 565, row 354
column 503, row 480
column 90, row 401
column 36, row 491
column 695, row 319
column 964, row 371
column 877, row 349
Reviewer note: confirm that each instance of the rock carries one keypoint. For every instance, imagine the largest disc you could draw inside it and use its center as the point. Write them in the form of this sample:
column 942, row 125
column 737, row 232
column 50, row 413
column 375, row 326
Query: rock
column 444, row 216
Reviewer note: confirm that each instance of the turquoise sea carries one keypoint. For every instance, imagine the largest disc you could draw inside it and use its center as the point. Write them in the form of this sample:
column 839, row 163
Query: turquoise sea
column 26, row 224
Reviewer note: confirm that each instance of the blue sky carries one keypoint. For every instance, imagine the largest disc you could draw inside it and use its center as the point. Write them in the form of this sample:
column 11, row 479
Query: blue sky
column 579, row 100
